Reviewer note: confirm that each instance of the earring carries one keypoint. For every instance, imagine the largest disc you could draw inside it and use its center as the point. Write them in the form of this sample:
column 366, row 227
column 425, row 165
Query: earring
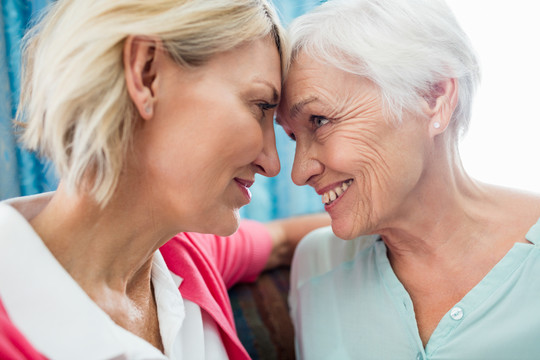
column 147, row 108
column 436, row 125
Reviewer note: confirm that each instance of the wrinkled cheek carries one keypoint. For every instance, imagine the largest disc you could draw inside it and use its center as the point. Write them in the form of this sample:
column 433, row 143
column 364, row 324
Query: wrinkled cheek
column 364, row 205
column 375, row 169
column 373, row 182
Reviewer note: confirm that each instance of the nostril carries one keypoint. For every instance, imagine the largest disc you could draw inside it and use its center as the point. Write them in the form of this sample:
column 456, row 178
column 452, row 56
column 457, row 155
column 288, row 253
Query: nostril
column 310, row 179
column 268, row 171
column 305, row 171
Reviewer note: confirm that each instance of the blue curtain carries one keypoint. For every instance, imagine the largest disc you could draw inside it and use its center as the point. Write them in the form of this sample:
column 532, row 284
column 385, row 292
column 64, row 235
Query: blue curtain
column 23, row 173
column 278, row 197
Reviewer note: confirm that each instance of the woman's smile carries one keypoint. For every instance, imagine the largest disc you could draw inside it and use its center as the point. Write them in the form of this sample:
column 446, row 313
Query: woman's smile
column 244, row 186
column 331, row 195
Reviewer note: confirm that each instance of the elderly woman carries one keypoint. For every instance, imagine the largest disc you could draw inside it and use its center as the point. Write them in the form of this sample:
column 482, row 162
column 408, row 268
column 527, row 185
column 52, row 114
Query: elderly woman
column 157, row 115
column 436, row 265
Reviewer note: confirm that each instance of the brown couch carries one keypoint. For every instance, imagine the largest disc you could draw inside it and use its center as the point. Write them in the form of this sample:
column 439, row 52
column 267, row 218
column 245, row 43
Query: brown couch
column 262, row 317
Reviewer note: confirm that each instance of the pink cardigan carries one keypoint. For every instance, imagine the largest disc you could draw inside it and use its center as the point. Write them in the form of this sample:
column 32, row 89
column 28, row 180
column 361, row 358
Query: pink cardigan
column 211, row 264
column 13, row 345
column 208, row 264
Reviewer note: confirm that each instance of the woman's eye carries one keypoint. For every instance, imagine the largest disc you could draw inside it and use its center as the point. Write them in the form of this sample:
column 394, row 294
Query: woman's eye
column 266, row 106
column 318, row 121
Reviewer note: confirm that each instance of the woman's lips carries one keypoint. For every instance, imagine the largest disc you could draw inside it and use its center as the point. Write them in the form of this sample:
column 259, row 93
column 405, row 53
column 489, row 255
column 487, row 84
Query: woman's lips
column 332, row 194
column 244, row 185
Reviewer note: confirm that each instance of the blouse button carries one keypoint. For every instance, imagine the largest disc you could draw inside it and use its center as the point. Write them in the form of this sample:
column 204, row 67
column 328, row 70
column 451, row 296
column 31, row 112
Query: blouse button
column 456, row 313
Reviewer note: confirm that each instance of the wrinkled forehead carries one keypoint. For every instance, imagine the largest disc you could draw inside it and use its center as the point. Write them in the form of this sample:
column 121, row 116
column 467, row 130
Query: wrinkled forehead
column 304, row 78
column 312, row 84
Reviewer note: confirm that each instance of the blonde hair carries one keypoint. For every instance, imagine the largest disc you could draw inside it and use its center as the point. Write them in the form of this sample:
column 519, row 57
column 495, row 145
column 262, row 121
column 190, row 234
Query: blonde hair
column 74, row 99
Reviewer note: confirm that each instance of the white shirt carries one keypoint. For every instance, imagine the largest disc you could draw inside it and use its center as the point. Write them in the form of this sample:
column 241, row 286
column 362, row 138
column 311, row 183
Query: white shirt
column 62, row 322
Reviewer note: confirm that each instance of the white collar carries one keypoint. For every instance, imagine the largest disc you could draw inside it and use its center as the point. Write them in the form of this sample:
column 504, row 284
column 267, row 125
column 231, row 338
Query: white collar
column 53, row 311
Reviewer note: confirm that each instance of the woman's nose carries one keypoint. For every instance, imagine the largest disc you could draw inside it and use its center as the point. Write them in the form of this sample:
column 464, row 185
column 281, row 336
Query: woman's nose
column 268, row 161
column 305, row 165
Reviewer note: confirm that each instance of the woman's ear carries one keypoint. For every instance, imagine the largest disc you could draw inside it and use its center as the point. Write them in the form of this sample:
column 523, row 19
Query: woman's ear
column 440, row 104
column 140, row 72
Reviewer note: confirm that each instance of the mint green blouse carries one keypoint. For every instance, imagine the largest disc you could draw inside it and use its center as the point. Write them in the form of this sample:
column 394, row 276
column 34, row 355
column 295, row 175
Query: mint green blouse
column 347, row 303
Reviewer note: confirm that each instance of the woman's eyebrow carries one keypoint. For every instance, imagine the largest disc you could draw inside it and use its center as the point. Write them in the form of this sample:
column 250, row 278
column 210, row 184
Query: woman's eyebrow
column 299, row 106
column 275, row 94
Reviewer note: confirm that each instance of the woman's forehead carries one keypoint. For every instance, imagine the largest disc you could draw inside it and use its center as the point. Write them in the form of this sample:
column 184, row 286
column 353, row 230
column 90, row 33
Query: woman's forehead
column 311, row 83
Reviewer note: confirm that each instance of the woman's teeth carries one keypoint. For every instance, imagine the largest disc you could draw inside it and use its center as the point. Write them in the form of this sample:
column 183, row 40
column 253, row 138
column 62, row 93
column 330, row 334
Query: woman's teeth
column 331, row 195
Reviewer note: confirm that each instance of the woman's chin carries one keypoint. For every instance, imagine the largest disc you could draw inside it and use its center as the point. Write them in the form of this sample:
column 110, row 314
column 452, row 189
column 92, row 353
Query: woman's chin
column 227, row 225
column 344, row 230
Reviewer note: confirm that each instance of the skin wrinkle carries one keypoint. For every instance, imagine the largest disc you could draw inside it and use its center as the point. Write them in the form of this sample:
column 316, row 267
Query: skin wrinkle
column 357, row 142
column 371, row 159
column 358, row 126
column 372, row 167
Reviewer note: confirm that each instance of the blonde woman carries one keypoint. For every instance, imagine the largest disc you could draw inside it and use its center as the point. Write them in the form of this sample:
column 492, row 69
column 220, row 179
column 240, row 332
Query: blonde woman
column 157, row 115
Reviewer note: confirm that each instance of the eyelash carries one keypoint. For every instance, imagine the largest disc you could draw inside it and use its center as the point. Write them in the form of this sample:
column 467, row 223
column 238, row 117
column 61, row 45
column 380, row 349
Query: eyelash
column 313, row 119
column 266, row 106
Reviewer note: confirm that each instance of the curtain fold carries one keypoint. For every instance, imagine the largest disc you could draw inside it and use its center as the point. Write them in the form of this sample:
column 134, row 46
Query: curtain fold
column 9, row 179
column 23, row 173
column 278, row 197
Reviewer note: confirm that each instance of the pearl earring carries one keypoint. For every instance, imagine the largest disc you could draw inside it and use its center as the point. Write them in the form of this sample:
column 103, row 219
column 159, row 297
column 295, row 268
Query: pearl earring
column 147, row 108
column 436, row 125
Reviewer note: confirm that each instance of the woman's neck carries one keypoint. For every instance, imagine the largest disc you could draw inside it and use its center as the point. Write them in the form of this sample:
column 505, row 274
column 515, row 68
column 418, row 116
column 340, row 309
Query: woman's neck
column 450, row 216
column 108, row 252
column 101, row 248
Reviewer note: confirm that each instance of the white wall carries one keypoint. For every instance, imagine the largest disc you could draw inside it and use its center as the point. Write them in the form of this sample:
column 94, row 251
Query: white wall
column 503, row 143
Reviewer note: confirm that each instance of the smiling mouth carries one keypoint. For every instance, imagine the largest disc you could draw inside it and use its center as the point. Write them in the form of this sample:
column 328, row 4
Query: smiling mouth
column 244, row 185
column 332, row 195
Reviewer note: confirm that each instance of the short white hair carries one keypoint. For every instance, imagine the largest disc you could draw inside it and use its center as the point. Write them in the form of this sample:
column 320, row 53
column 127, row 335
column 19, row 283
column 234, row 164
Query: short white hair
column 74, row 99
column 406, row 47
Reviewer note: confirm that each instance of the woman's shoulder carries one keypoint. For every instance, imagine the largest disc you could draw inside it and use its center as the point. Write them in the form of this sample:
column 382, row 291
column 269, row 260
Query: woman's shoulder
column 526, row 199
column 520, row 204
column 27, row 206
column 10, row 220
column 512, row 212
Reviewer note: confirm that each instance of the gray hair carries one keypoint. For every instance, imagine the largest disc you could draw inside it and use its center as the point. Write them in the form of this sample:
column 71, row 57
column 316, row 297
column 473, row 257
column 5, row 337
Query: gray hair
column 406, row 47
column 74, row 98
